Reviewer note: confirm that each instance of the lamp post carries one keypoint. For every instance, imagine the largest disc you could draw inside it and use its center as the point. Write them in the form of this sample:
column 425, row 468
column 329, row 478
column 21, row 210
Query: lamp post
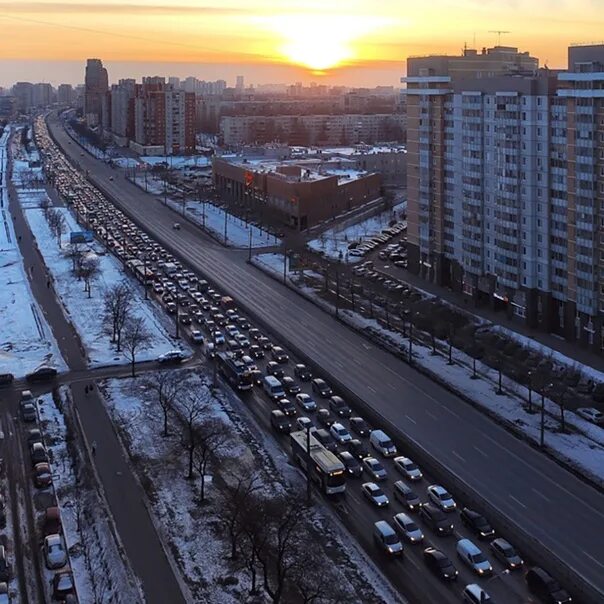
column 410, row 339
column 530, row 391
column 542, row 438
column 337, row 293
column 285, row 265
column 308, row 482
column 177, row 336
column 249, row 253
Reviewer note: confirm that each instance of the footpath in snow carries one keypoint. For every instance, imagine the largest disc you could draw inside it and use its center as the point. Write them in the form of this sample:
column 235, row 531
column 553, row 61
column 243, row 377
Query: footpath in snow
column 26, row 341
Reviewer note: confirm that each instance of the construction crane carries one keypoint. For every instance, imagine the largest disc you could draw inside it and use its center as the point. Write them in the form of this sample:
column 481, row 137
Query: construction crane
column 499, row 32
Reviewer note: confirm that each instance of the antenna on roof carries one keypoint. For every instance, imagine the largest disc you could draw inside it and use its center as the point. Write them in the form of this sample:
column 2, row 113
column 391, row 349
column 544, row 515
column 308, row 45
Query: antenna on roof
column 499, row 32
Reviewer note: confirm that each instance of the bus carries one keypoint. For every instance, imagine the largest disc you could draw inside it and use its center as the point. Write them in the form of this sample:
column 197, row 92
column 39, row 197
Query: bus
column 325, row 468
column 235, row 371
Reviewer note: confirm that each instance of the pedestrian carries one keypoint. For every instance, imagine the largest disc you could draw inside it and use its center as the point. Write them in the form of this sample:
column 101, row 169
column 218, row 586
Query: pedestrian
column 47, row 283
column 19, row 237
column 86, row 390
column 93, row 448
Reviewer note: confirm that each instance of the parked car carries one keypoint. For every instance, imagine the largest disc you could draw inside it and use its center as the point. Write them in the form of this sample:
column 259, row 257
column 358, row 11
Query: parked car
column 4, row 594
column 506, row 554
column 52, row 521
column 407, row 468
column 439, row 564
column 29, row 412
column 591, row 415
column 545, row 587
column 42, row 475
column 359, row 426
column 62, row 585
column 477, row 523
column 38, row 453
column 172, row 356
column 55, row 553
column 373, row 492
column 5, row 570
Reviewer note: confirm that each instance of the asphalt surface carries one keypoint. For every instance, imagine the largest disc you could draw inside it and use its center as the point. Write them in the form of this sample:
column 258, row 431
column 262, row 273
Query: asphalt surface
column 122, row 491
column 553, row 508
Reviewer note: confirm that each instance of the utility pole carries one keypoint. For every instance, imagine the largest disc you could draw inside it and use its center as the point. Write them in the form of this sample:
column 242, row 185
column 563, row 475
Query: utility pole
column 530, row 391
column 410, row 339
column 308, row 482
column 337, row 293
column 249, row 255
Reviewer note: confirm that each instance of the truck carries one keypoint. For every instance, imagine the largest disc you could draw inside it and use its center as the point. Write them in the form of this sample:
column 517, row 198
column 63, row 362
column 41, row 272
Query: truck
column 326, row 470
column 235, row 371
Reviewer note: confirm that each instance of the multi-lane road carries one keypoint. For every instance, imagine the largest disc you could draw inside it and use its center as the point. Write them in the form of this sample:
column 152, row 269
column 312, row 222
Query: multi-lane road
column 554, row 509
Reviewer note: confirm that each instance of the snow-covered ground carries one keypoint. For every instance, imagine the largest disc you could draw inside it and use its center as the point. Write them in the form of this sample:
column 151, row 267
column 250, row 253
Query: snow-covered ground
column 333, row 243
column 202, row 549
column 86, row 313
column 583, row 449
column 173, row 161
column 212, row 219
column 26, row 341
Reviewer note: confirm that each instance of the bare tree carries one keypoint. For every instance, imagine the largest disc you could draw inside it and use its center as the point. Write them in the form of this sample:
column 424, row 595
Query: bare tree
column 60, row 227
column 89, row 269
column 191, row 408
column 76, row 250
column 117, row 302
column 314, row 581
column 210, row 437
column 137, row 337
column 167, row 386
column 45, row 206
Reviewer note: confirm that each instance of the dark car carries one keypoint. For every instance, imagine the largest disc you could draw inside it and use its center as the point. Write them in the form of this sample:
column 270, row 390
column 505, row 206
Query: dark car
column 325, row 418
column 273, row 368
column 436, row 519
column 302, row 372
column 357, row 449
column 280, row 422
column 339, row 407
column 279, row 355
column 264, row 342
column 42, row 476
column 254, row 333
column 477, row 523
column 320, row 387
column 440, row 564
column 29, row 413
column 406, row 496
column 351, row 463
column 506, row 554
column 359, row 426
column 289, row 385
column 256, row 352
column 42, row 374
column 52, row 521
column 287, row 407
column 326, row 439
column 545, row 587
column 63, row 585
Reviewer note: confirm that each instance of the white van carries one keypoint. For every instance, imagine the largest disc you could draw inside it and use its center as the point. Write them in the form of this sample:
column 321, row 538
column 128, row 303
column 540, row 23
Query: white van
column 473, row 557
column 382, row 443
column 273, row 387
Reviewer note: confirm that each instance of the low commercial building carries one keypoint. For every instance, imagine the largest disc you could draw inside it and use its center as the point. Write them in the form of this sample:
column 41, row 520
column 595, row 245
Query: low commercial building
column 300, row 193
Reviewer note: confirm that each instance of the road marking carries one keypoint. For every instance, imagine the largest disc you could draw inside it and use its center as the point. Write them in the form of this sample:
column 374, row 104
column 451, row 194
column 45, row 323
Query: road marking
column 458, row 456
column 592, row 558
column 449, row 410
column 541, row 495
column 481, row 451
column 518, row 501
column 410, row 419
column 431, row 414
column 365, row 346
column 372, row 389
column 410, row 559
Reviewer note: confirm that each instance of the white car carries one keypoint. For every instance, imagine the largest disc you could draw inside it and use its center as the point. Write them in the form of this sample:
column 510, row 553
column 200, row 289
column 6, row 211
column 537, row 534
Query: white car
column 173, row 356
column 306, row 402
column 304, row 423
column 375, row 468
column 408, row 468
column 54, row 551
column 591, row 415
column 340, row 433
column 375, row 494
column 218, row 337
column 231, row 330
column 242, row 340
column 197, row 336
column 405, row 525
column 441, row 498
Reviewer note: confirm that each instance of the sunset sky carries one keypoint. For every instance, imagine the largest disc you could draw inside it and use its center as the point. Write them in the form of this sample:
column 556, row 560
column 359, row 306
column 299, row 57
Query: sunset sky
column 335, row 41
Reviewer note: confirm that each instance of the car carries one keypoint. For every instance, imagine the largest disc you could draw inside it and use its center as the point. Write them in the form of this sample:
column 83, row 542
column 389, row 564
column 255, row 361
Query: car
column 439, row 564
column 242, row 340
column 320, row 387
column 477, row 523
column 373, row 492
column 38, row 453
column 302, row 372
column 173, row 356
column 591, row 415
column 436, row 519
column 52, row 521
column 287, row 407
column 218, row 337
column 29, row 412
column 5, row 571
column 176, row 226
column 42, row 475
column 407, row 468
column 351, row 463
column 264, row 342
column 405, row 525
column 325, row 418
column 543, row 585
column 386, row 538
column 441, row 497
column 42, row 374
column 280, row 422
column 243, row 323
column 304, row 423
column 338, row 405
column 256, row 352
column 472, row 556
column 196, row 337
column 273, row 368
column 55, row 553
column 375, row 469
column 474, row 594
column 63, row 585
column 290, row 385
column 306, row 402
column 279, row 355
column 254, row 333
column 357, row 449
column 326, row 439
column 359, row 426
column 339, row 432
column 406, row 496
column 231, row 330
column 506, row 554
column 382, row 443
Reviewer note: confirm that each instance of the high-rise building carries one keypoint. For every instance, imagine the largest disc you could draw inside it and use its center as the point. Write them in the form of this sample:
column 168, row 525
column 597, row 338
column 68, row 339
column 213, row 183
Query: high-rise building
column 43, row 95
column 122, row 110
column 503, row 193
column 239, row 86
column 65, row 94
column 174, row 82
column 24, row 96
column 96, row 87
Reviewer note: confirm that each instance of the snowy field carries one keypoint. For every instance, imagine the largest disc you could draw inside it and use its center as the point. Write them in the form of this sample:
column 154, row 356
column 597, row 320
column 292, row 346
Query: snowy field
column 333, row 243
column 86, row 313
column 26, row 341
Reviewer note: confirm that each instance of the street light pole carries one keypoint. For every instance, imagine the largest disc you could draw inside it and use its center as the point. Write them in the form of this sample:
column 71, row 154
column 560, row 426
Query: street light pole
column 337, row 293
column 410, row 339
column 177, row 317
column 542, row 439
column 308, row 482
column 285, row 265
column 530, row 391
column 249, row 255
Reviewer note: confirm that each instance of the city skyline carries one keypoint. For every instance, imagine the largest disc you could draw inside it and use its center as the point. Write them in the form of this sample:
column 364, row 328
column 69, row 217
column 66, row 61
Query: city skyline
column 274, row 42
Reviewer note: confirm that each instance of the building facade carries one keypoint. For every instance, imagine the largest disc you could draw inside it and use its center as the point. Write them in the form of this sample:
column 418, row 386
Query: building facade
column 96, row 86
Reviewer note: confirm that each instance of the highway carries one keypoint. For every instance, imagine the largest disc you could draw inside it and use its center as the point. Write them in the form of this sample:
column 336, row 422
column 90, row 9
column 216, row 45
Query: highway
column 556, row 510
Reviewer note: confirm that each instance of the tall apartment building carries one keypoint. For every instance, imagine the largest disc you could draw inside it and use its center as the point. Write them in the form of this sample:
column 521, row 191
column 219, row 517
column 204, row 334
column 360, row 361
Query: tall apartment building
column 43, row 94
column 65, row 94
column 24, row 96
column 96, row 86
column 122, row 110
column 503, row 167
